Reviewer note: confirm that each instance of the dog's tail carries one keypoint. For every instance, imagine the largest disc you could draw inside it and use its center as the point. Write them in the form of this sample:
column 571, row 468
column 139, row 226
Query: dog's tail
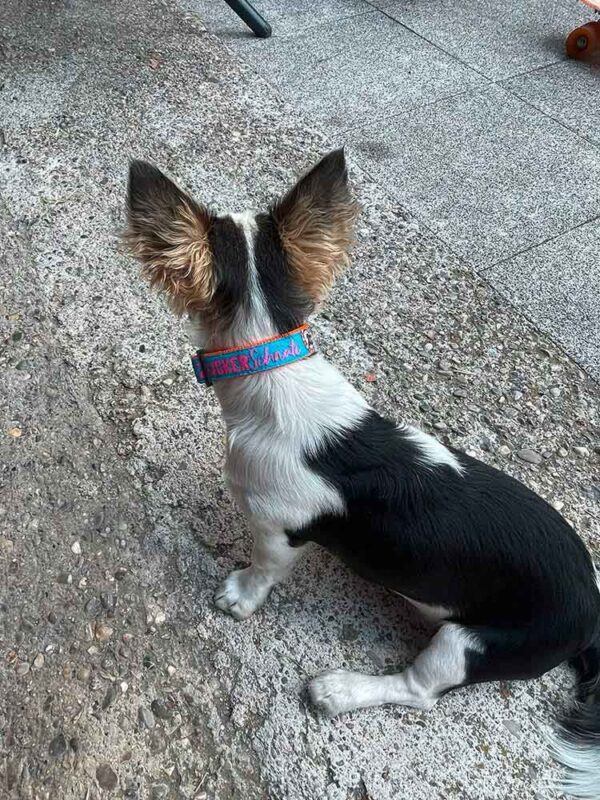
column 576, row 744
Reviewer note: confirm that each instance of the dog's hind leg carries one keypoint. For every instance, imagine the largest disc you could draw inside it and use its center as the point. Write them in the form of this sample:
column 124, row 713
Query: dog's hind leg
column 273, row 557
column 441, row 666
column 458, row 655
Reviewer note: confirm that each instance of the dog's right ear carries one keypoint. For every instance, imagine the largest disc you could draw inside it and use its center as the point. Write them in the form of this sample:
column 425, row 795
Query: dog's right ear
column 168, row 232
column 315, row 220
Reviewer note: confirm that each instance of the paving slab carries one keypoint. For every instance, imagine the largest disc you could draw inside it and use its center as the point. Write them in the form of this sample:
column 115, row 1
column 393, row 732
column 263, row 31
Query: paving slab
column 497, row 39
column 568, row 92
column 554, row 284
column 115, row 525
column 485, row 171
column 356, row 70
column 290, row 18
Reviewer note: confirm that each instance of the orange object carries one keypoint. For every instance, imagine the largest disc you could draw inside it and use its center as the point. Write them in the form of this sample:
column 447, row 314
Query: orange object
column 583, row 44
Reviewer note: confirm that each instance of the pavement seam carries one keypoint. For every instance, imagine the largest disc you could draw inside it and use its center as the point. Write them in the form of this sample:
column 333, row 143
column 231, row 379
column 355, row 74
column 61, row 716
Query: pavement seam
column 539, row 244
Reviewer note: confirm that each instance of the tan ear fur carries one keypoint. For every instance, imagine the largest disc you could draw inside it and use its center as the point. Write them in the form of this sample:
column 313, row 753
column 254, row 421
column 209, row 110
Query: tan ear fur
column 168, row 232
column 316, row 222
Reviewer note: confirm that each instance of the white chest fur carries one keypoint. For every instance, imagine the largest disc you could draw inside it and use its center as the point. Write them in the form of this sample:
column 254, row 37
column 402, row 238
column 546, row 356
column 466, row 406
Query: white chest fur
column 273, row 421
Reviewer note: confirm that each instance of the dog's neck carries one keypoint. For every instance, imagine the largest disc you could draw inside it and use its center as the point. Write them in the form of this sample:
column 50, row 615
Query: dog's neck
column 294, row 401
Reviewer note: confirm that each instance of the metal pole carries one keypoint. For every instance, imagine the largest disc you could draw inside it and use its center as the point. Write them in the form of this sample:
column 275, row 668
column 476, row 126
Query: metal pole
column 246, row 12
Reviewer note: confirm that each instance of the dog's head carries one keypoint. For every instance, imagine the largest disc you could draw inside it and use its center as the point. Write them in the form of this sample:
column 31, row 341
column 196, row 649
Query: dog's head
column 242, row 276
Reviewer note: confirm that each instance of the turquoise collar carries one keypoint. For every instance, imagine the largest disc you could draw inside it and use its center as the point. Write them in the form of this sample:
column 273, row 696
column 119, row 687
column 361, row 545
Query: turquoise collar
column 237, row 362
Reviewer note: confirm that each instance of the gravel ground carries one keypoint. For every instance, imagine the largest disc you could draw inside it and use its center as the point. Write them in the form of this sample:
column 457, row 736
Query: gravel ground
column 121, row 679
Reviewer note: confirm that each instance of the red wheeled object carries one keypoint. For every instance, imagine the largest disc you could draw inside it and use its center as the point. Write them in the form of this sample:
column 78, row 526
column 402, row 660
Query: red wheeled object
column 583, row 43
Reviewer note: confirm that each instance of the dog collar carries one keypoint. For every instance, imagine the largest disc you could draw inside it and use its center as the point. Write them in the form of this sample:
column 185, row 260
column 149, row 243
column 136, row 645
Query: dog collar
column 267, row 354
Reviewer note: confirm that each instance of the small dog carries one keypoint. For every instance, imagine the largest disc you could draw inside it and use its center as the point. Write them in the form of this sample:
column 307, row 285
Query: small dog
column 510, row 583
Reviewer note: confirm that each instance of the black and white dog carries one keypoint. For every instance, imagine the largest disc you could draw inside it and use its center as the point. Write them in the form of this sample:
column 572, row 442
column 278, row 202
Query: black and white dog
column 511, row 584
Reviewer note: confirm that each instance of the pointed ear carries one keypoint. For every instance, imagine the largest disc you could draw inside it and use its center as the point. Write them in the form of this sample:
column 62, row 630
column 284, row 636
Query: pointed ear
column 168, row 232
column 315, row 222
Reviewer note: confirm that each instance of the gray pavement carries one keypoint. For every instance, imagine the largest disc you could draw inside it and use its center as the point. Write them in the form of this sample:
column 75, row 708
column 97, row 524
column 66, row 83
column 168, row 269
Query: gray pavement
column 471, row 115
column 118, row 677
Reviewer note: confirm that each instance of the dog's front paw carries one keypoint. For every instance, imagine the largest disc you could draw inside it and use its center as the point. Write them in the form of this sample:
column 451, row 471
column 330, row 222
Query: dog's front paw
column 339, row 691
column 242, row 593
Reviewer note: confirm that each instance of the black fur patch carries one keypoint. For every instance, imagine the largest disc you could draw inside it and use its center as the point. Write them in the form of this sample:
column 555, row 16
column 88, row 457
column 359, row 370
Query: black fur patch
column 481, row 544
column 230, row 258
column 287, row 304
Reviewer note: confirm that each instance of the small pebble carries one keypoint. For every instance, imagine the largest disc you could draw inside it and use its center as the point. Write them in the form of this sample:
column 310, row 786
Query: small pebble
column 562, row 452
column 83, row 674
column 440, row 426
column 146, row 718
column 109, row 602
column 558, row 505
column 38, row 661
column 582, row 451
column 58, row 746
column 512, row 726
column 171, row 670
column 92, row 607
column 162, row 709
column 102, row 632
column 22, row 668
column 106, row 777
column 555, row 391
column 109, row 697
column 504, row 450
column 530, row 456
column 76, row 548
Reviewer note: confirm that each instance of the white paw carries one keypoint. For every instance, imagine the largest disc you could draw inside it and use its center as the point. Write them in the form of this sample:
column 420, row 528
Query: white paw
column 339, row 691
column 242, row 593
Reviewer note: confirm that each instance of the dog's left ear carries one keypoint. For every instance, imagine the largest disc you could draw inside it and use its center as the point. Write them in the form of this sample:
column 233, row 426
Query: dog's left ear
column 315, row 220
column 169, row 233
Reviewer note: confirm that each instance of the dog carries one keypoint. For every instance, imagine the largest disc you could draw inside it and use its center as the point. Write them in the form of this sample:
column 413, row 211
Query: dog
column 510, row 584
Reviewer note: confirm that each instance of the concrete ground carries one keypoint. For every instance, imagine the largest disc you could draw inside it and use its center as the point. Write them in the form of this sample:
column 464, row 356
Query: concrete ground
column 471, row 116
column 119, row 678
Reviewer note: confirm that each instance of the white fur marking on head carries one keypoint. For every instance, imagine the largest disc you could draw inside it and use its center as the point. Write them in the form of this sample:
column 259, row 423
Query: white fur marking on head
column 434, row 453
column 257, row 323
column 246, row 326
